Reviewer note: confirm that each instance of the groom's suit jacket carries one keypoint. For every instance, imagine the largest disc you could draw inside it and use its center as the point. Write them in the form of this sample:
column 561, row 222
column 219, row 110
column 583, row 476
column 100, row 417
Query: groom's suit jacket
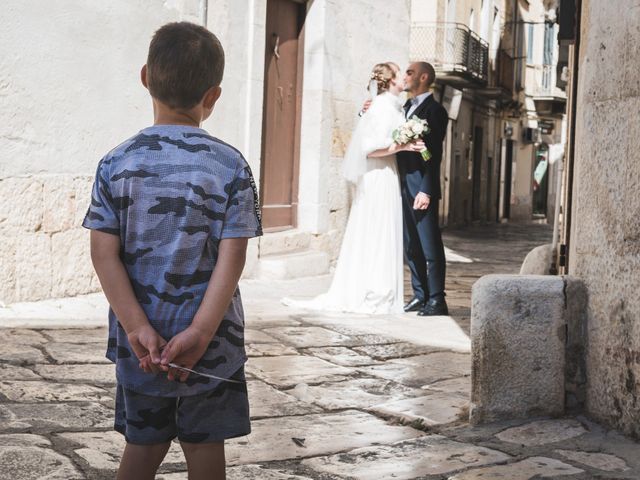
column 416, row 175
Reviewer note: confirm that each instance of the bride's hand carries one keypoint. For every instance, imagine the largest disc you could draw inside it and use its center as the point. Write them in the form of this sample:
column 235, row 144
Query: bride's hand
column 416, row 146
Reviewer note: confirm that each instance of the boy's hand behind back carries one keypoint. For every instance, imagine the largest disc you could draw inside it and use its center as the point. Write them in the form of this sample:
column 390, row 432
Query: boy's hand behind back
column 185, row 349
column 147, row 345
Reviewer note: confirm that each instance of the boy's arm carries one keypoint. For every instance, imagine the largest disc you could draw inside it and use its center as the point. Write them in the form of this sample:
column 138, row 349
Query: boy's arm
column 105, row 255
column 188, row 347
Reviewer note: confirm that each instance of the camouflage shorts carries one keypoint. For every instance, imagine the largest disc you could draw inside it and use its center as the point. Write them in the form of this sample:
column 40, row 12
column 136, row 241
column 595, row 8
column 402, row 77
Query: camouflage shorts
column 212, row 416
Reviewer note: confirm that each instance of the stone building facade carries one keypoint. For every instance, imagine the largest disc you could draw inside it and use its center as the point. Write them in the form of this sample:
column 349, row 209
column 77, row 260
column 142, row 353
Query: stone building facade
column 496, row 66
column 69, row 83
column 603, row 229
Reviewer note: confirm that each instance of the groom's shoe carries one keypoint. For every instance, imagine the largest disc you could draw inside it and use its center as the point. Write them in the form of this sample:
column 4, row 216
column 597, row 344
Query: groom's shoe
column 434, row 307
column 414, row 305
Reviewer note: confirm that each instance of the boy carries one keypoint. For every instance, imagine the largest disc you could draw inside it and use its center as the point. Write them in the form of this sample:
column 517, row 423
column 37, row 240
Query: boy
column 171, row 211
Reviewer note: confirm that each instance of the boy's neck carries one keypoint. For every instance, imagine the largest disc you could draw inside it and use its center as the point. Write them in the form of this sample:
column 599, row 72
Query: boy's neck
column 163, row 115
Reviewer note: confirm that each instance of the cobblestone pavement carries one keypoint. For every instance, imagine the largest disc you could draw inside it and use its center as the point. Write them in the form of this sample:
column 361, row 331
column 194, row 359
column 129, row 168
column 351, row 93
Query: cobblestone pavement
column 332, row 396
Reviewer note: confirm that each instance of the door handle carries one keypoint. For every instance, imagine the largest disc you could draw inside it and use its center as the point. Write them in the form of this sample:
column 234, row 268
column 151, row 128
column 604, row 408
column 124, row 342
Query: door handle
column 276, row 50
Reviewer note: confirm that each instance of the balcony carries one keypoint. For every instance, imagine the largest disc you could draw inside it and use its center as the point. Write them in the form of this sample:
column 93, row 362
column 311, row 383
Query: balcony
column 548, row 98
column 459, row 56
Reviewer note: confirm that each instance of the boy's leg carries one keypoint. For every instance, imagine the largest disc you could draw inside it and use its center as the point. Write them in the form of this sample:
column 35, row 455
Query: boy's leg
column 206, row 420
column 148, row 425
column 141, row 462
column 205, row 461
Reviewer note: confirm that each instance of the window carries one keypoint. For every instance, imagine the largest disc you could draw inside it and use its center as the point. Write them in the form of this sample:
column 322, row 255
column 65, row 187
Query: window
column 530, row 43
column 472, row 20
column 549, row 34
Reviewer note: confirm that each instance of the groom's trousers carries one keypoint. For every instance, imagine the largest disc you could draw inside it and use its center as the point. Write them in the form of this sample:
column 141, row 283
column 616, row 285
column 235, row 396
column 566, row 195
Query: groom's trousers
column 423, row 248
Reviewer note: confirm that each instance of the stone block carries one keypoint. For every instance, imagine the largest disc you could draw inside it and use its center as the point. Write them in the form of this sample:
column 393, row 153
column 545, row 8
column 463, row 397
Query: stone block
column 8, row 271
column 284, row 242
column 537, row 261
column 517, row 344
column 82, row 187
column 293, row 265
column 575, row 350
column 251, row 262
column 59, row 197
column 24, row 212
column 72, row 271
column 33, row 267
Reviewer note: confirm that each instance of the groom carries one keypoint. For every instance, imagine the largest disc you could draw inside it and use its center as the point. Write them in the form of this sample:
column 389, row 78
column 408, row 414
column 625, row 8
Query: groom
column 420, row 188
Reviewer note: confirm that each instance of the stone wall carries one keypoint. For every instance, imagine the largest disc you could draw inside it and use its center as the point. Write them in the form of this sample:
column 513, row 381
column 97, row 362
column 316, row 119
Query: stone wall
column 334, row 88
column 70, row 89
column 605, row 237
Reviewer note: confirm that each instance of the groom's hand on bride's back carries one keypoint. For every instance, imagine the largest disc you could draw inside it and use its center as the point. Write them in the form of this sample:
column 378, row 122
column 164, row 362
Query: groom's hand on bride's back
column 365, row 107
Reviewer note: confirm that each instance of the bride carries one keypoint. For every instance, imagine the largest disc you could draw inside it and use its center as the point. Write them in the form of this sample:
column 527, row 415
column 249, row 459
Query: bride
column 368, row 276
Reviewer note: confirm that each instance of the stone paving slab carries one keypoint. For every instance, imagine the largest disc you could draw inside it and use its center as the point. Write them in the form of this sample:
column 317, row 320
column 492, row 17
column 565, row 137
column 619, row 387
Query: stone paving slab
column 21, row 354
column 30, row 457
column 269, row 350
column 455, row 386
column 395, row 350
column 252, row 336
column 358, row 393
column 244, row 472
column 13, row 372
column 41, row 391
column 435, row 409
column 102, row 450
column 77, row 335
column 304, row 336
column 323, row 434
column 423, row 369
column 86, row 372
column 428, row 455
column 288, row 371
column 442, row 332
column 530, row 468
column 77, row 352
column 52, row 417
column 20, row 336
column 542, row 432
column 342, row 356
column 266, row 401
column 600, row 461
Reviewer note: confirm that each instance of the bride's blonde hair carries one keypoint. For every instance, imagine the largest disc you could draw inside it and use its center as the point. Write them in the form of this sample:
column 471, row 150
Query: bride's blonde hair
column 382, row 74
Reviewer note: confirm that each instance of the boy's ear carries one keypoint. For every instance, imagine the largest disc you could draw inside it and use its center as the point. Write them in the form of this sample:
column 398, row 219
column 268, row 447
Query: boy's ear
column 211, row 96
column 143, row 76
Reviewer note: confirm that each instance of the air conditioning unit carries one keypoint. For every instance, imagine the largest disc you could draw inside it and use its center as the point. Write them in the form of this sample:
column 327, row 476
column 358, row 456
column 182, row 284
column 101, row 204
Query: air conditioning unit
column 530, row 135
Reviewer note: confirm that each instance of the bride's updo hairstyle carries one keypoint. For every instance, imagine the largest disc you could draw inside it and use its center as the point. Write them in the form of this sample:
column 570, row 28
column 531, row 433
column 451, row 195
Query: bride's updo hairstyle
column 382, row 74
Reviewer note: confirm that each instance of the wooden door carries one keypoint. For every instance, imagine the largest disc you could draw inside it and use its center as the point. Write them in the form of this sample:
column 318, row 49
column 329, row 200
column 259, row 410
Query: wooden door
column 281, row 118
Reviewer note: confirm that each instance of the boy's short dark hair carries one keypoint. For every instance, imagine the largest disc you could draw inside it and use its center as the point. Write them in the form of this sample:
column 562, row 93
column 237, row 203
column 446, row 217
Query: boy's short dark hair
column 184, row 61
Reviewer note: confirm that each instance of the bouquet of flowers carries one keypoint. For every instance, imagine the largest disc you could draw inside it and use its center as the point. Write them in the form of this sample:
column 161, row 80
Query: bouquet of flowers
column 412, row 129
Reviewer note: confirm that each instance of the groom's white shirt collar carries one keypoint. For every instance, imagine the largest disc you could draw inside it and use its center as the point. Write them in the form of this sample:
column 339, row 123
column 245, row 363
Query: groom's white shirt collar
column 415, row 101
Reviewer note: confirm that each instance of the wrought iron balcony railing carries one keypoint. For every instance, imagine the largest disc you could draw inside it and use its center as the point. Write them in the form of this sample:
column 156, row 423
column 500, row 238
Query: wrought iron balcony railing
column 453, row 49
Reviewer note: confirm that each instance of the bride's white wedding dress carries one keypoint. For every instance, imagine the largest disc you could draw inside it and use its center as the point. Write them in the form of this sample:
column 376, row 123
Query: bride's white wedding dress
column 368, row 275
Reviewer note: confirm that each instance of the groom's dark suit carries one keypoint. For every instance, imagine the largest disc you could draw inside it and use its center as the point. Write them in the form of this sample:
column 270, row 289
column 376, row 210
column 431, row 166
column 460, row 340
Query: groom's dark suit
column 422, row 238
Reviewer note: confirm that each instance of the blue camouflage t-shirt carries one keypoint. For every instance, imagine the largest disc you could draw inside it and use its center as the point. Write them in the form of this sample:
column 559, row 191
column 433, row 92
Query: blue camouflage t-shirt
column 171, row 193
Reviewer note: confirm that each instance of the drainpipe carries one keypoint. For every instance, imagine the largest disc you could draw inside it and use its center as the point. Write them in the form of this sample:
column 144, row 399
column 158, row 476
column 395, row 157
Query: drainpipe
column 204, row 8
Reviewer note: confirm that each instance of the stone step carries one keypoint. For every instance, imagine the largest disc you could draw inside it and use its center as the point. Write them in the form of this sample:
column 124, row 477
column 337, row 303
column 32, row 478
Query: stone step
column 304, row 263
column 284, row 242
